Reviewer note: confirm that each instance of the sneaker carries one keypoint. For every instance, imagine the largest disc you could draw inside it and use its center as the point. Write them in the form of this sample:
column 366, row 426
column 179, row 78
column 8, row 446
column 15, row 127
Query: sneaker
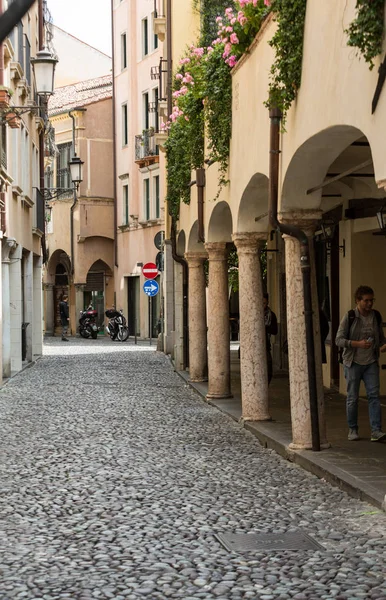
column 378, row 436
column 64, row 339
column 353, row 435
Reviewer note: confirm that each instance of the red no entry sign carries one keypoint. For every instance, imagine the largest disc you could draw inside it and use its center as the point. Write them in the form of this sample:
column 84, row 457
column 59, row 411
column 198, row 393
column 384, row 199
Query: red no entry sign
column 149, row 270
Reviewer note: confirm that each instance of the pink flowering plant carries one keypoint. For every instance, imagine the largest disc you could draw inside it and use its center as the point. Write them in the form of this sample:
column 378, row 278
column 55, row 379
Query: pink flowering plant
column 202, row 86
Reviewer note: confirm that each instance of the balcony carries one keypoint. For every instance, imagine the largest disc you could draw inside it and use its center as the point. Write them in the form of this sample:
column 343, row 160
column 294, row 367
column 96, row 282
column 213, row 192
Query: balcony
column 146, row 149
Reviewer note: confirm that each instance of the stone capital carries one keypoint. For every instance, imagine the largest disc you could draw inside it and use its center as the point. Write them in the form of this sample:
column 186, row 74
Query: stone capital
column 307, row 220
column 249, row 242
column 48, row 286
column 79, row 287
column 217, row 251
column 8, row 246
column 195, row 259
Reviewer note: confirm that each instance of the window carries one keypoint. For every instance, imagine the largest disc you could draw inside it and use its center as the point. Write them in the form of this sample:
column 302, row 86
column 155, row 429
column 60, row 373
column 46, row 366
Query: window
column 20, row 47
column 145, row 37
column 156, row 196
column 123, row 51
column 145, row 100
column 63, row 175
column 3, row 146
column 27, row 60
column 155, row 101
column 155, row 38
column 146, row 184
column 125, row 134
column 125, row 200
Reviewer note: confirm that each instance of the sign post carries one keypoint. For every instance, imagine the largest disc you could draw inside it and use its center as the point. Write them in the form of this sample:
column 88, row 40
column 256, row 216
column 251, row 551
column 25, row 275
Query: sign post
column 151, row 288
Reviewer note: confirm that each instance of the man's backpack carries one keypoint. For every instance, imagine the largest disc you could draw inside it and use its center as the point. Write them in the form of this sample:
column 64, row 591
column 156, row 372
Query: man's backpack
column 351, row 319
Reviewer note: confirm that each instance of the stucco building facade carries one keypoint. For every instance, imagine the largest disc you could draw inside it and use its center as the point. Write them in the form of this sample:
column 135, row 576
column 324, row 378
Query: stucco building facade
column 80, row 228
column 139, row 188
column 22, row 205
column 331, row 178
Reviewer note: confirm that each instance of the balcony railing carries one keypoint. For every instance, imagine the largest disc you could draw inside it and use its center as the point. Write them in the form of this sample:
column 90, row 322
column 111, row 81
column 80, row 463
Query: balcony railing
column 146, row 150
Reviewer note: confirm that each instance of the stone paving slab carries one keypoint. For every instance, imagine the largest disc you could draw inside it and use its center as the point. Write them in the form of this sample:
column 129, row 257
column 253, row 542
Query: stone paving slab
column 116, row 479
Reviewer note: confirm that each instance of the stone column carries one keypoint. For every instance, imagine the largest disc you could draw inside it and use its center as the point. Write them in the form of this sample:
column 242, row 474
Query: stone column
column 49, row 311
column 37, row 322
column 79, row 305
column 253, row 352
column 28, row 302
column 8, row 244
column 168, row 283
column 219, row 385
column 198, row 352
column 297, row 349
column 16, row 306
column 178, row 332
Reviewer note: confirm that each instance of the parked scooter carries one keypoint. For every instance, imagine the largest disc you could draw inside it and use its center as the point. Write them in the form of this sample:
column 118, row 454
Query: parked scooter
column 88, row 327
column 117, row 325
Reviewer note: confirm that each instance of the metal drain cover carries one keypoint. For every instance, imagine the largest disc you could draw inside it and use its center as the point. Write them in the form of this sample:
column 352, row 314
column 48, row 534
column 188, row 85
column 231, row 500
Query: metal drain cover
column 247, row 542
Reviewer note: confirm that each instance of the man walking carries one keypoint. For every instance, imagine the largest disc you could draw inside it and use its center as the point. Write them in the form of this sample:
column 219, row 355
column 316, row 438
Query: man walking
column 64, row 317
column 361, row 336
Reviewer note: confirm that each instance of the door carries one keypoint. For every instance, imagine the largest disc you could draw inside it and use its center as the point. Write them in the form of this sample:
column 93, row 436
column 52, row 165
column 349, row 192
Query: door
column 133, row 305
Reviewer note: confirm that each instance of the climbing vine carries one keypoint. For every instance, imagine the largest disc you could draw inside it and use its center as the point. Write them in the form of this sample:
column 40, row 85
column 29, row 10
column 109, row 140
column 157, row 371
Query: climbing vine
column 202, row 90
column 286, row 70
column 366, row 31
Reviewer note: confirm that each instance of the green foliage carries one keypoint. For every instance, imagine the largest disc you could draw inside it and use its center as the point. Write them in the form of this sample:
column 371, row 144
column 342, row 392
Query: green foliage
column 366, row 31
column 287, row 42
column 209, row 10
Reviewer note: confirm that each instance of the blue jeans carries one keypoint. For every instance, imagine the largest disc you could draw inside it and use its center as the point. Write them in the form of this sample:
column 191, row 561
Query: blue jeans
column 370, row 376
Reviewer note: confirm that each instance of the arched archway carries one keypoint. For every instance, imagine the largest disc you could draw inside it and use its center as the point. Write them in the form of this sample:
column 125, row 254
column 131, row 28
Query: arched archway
column 181, row 243
column 253, row 208
column 193, row 244
column 220, row 226
column 97, row 287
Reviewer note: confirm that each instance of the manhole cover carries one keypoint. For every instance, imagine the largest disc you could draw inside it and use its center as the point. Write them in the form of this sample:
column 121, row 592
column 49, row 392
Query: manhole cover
column 294, row 540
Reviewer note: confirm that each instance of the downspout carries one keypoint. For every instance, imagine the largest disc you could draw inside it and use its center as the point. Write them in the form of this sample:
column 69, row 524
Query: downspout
column 3, row 224
column 305, row 264
column 200, row 182
column 42, row 135
column 75, row 198
column 173, row 233
column 114, row 142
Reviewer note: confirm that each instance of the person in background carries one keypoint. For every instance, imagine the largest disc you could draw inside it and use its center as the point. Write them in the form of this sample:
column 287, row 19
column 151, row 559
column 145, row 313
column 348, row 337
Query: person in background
column 361, row 336
column 324, row 329
column 64, row 317
column 270, row 329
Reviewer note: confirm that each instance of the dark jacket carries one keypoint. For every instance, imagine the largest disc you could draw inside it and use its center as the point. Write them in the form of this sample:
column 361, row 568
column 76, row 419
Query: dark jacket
column 63, row 309
column 324, row 329
column 270, row 329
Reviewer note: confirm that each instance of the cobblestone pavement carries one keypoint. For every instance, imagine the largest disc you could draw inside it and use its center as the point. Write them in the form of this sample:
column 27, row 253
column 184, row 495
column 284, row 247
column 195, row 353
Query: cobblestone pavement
column 115, row 478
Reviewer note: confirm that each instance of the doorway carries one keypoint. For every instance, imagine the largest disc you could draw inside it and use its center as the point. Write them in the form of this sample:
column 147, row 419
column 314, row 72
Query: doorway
column 133, row 300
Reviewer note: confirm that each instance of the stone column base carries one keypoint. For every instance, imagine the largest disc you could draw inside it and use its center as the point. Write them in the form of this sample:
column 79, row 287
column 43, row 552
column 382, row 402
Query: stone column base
column 293, row 446
column 218, row 396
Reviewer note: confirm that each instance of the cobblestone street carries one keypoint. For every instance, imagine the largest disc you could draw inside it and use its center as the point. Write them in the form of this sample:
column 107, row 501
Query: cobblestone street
column 116, row 478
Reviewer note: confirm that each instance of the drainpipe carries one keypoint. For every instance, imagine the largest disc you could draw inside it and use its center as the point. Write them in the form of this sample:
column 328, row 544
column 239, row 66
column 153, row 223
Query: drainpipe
column 305, row 264
column 3, row 224
column 185, row 288
column 75, row 197
column 42, row 134
column 200, row 182
column 114, row 143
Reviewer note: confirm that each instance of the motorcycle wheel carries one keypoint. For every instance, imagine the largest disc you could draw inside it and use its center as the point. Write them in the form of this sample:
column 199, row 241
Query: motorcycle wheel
column 84, row 333
column 94, row 335
column 123, row 334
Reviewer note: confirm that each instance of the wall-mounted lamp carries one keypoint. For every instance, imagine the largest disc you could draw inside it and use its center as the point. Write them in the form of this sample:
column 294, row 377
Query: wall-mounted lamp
column 44, row 71
column 381, row 218
column 328, row 232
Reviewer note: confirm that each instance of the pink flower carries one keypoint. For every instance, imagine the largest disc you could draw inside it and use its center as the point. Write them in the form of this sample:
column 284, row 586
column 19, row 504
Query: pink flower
column 198, row 52
column 186, row 118
column 229, row 29
column 267, row 2
column 234, row 39
column 210, row 49
column 229, row 13
column 233, row 21
column 242, row 19
column 179, row 76
column 227, row 50
column 218, row 19
column 184, row 61
column 232, row 61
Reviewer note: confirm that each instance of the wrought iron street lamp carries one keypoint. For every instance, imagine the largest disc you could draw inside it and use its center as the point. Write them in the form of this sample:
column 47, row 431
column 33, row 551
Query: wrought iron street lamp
column 76, row 169
column 44, row 70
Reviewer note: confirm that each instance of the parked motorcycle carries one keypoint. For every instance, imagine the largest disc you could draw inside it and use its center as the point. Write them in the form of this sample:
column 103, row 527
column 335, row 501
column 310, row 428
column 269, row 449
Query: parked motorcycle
column 88, row 327
column 117, row 325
